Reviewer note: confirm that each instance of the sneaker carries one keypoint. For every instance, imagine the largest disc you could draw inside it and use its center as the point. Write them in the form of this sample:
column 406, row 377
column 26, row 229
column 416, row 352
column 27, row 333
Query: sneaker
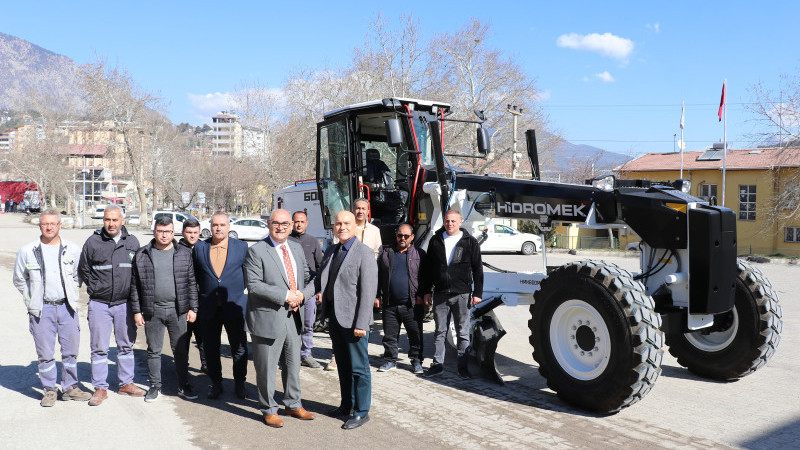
column 152, row 394
column 187, row 393
column 416, row 367
column 308, row 361
column 49, row 399
column 331, row 365
column 75, row 393
column 387, row 366
column 434, row 369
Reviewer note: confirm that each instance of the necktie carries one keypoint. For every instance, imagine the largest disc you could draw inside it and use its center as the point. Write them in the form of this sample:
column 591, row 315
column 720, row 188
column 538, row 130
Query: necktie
column 289, row 271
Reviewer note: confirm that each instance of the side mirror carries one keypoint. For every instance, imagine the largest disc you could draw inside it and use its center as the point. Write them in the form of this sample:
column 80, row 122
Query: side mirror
column 484, row 144
column 394, row 132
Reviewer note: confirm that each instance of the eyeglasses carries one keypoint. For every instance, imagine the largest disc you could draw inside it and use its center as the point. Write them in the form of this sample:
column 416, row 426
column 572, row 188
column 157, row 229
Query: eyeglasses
column 403, row 236
column 163, row 232
column 280, row 224
column 46, row 224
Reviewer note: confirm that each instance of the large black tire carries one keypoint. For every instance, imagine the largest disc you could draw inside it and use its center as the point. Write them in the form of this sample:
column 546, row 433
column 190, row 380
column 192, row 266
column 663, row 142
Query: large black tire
column 740, row 341
column 595, row 336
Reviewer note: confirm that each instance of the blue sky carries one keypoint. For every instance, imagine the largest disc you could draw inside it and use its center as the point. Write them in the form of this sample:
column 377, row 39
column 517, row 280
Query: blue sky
column 613, row 74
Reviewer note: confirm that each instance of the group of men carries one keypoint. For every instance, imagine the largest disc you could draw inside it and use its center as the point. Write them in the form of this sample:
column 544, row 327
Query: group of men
column 198, row 286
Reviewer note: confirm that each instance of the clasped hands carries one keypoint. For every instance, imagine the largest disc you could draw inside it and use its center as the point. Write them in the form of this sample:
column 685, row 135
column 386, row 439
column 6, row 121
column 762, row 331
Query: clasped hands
column 295, row 299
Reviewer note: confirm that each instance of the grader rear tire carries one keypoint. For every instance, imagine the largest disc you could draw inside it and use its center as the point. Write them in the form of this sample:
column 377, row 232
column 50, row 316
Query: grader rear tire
column 595, row 336
column 742, row 340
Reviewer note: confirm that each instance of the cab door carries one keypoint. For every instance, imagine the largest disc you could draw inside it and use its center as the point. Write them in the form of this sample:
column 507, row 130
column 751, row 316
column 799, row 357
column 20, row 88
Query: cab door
column 335, row 175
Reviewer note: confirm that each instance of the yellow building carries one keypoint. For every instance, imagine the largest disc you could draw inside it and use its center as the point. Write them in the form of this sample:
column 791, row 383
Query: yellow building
column 762, row 186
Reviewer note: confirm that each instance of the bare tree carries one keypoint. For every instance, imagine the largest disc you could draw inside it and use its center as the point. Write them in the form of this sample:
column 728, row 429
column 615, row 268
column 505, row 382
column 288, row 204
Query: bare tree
column 113, row 94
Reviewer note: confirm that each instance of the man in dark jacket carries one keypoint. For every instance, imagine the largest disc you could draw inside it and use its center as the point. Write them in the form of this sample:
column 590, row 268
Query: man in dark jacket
column 313, row 253
column 455, row 274
column 164, row 295
column 222, row 302
column 398, row 298
column 105, row 268
column 190, row 235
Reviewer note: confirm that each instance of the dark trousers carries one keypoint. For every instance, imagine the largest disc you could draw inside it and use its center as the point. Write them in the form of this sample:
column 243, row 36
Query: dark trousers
column 410, row 316
column 352, row 361
column 194, row 327
column 166, row 318
column 234, row 328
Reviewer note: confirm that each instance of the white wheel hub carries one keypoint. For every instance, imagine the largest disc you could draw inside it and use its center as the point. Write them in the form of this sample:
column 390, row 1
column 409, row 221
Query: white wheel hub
column 715, row 340
column 580, row 340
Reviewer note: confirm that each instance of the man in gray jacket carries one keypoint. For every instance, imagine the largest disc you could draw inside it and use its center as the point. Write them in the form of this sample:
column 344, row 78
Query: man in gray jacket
column 164, row 295
column 46, row 274
column 348, row 283
column 276, row 272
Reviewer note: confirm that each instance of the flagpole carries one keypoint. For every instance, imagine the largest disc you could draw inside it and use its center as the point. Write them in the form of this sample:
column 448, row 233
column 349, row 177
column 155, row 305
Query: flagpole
column 724, row 139
column 683, row 109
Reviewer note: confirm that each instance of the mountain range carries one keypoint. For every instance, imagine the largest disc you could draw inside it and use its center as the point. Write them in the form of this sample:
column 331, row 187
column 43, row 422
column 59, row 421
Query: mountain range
column 26, row 67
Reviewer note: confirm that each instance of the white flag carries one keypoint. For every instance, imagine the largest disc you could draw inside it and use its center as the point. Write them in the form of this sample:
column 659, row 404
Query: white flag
column 683, row 109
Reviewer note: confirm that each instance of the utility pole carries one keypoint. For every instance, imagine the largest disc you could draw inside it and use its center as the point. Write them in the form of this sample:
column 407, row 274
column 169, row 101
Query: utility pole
column 515, row 111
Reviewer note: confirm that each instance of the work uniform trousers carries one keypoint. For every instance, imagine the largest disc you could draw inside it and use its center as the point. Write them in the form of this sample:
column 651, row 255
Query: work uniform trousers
column 62, row 322
column 352, row 362
column 444, row 304
column 102, row 320
column 175, row 325
column 410, row 316
column 237, row 338
column 309, row 317
column 267, row 354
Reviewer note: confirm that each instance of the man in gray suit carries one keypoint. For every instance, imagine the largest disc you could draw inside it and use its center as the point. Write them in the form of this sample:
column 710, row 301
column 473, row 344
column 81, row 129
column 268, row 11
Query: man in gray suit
column 348, row 282
column 276, row 272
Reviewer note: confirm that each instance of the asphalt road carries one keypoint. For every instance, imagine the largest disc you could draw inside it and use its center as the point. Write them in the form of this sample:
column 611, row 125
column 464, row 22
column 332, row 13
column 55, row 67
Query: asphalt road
column 682, row 411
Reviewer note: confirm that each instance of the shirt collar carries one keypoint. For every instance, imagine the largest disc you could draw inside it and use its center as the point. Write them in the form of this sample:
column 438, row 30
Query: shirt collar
column 349, row 243
column 223, row 244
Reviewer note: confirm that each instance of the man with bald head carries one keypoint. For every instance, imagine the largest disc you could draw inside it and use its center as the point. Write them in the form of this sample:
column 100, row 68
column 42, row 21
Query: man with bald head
column 348, row 283
column 105, row 267
column 276, row 273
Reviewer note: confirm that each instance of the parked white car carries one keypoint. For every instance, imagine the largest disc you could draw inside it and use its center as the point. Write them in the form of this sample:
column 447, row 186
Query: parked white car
column 177, row 219
column 249, row 229
column 205, row 227
column 502, row 238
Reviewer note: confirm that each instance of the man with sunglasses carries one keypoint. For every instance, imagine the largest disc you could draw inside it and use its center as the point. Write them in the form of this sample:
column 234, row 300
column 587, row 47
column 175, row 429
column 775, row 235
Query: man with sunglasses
column 399, row 299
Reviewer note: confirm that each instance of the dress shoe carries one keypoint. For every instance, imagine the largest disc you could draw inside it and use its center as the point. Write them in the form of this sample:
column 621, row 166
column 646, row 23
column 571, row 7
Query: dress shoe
column 132, row 390
column 215, row 390
column 338, row 412
column 300, row 413
column 241, row 390
column 98, row 397
column 463, row 372
column 355, row 422
column 273, row 420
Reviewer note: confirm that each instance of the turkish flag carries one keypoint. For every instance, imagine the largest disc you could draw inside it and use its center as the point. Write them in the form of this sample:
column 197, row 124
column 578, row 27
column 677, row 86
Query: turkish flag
column 722, row 101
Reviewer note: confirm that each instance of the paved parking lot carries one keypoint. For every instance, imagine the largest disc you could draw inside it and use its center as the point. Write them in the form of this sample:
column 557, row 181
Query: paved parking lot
column 682, row 411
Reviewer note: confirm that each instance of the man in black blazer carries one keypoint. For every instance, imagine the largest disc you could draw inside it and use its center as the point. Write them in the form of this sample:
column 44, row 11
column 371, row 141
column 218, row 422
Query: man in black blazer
column 276, row 272
column 220, row 283
column 348, row 282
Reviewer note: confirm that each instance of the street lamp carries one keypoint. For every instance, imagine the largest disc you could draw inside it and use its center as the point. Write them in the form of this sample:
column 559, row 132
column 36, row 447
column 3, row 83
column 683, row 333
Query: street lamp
column 674, row 135
column 515, row 111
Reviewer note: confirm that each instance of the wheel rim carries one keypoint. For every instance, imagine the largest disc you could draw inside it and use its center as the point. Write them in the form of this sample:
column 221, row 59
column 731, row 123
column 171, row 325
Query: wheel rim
column 527, row 247
column 715, row 340
column 580, row 340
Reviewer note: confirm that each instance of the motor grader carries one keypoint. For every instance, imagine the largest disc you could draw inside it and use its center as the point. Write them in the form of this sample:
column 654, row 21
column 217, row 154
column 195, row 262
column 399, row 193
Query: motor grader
column 598, row 331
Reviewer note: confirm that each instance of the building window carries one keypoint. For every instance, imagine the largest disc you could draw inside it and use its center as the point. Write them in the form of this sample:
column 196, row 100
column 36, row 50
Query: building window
column 708, row 191
column 747, row 202
column 792, row 234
